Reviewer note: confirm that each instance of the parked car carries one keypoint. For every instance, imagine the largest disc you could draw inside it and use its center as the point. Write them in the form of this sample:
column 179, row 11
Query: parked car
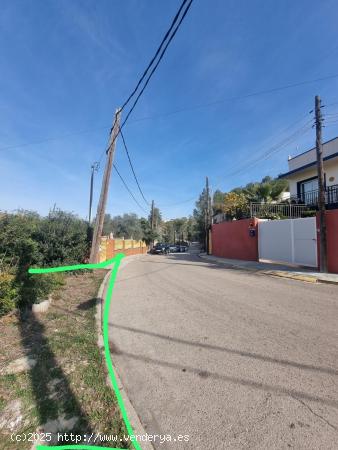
column 173, row 248
column 159, row 249
column 182, row 246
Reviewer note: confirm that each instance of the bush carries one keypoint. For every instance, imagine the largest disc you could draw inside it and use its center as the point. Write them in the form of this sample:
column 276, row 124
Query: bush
column 28, row 240
column 271, row 216
column 8, row 293
column 62, row 238
column 310, row 213
column 35, row 288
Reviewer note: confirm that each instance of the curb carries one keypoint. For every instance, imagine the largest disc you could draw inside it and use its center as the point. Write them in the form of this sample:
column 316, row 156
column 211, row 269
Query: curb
column 298, row 277
column 274, row 273
column 132, row 414
column 229, row 265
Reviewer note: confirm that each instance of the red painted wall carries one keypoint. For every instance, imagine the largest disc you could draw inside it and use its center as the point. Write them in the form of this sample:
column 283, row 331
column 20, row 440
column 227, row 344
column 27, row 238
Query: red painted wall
column 232, row 239
column 332, row 240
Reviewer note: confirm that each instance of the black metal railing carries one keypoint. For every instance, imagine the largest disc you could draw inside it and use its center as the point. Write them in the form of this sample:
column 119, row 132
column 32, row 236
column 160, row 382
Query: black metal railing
column 311, row 197
column 332, row 194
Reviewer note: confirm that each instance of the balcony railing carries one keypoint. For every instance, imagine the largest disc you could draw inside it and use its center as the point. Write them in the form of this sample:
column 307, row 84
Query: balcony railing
column 310, row 198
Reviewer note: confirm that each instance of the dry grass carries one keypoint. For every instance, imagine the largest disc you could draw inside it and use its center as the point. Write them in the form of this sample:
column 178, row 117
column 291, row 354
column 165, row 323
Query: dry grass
column 69, row 378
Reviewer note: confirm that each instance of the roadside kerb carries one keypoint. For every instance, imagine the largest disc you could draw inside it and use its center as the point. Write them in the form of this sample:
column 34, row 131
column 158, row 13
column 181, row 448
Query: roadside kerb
column 256, row 267
column 113, row 264
column 132, row 414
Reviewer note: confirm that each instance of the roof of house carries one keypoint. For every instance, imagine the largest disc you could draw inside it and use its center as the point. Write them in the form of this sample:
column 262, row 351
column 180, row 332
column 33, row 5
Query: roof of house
column 311, row 149
column 312, row 163
column 306, row 166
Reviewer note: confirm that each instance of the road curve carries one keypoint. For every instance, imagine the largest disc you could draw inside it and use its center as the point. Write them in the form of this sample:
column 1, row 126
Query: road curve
column 234, row 360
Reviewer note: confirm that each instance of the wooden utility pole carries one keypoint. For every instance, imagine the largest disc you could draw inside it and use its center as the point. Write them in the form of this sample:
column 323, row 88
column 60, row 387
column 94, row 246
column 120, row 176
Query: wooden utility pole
column 321, row 186
column 101, row 208
column 207, row 215
column 152, row 220
column 94, row 168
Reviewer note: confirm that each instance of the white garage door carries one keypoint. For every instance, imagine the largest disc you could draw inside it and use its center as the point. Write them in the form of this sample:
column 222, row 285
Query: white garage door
column 291, row 240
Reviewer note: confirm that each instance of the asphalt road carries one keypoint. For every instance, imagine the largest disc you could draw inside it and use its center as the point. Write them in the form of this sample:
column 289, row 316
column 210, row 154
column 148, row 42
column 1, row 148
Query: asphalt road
column 233, row 359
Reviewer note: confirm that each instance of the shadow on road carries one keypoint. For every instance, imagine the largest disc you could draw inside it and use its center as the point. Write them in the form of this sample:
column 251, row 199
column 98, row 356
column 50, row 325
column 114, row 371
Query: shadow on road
column 194, row 260
column 283, row 362
column 297, row 395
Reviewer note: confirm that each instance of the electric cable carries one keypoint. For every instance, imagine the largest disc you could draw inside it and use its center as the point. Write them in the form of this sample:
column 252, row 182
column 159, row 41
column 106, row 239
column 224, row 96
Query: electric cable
column 156, row 54
column 153, row 70
column 132, row 167
column 126, row 186
column 169, row 113
column 157, row 64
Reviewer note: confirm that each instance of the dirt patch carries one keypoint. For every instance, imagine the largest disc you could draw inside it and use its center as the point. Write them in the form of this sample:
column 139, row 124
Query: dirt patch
column 66, row 387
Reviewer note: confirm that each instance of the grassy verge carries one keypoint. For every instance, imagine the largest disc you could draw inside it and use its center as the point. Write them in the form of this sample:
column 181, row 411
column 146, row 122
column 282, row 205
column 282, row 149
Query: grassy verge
column 66, row 389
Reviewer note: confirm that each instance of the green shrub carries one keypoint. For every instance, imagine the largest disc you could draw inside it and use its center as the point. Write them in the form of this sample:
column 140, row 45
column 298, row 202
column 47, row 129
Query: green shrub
column 62, row 238
column 310, row 213
column 8, row 293
column 28, row 240
column 271, row 216
column 35, row 288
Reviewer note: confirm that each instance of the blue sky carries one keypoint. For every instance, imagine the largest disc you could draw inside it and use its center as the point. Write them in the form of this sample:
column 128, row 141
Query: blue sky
column 66, row 66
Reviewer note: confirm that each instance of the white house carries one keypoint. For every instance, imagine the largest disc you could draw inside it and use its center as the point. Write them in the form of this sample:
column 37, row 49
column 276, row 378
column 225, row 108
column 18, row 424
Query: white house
column 303, row 179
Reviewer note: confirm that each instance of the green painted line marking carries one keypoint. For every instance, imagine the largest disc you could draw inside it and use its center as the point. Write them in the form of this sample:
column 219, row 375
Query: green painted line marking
column 116, row 261
column 100, row 265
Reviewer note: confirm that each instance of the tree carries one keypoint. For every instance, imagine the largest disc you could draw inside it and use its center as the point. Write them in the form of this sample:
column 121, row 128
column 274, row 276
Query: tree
column 168, row 231
column 269, row 189
column 148, row 235
column 191, row 229
column 157, row 217
column 26, row 240
column 182, row 228
column 62, row 238
column 235, row 205
column 127, row 226
column 199, row 216
column 108, row 225
column 218, row 201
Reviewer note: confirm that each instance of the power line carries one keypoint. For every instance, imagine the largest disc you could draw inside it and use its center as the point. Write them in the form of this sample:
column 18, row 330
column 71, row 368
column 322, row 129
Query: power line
column 169, row 113
column 126, row 186
column 288, row 136
column 330, row 104
column 132, row 168
column 266, row 155
column 106, row 146
column 238, row 97
column 141, row 92
column 49, row 139
column 157, row 64
column 274, row 149
column 330, row 121
column 156, row 54
column 330, row 115
column 178, row 203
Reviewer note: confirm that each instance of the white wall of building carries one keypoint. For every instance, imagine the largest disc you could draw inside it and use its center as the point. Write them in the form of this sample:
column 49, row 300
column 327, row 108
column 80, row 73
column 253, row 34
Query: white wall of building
column 329, row 148
column 330, row 170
